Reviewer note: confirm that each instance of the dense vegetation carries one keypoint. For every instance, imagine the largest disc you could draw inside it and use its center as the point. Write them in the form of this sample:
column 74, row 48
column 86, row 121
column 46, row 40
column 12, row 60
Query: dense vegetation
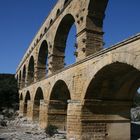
column 8, row 91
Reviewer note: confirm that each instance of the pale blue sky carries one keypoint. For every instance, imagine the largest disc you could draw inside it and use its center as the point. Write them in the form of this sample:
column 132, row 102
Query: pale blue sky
column 21, row 19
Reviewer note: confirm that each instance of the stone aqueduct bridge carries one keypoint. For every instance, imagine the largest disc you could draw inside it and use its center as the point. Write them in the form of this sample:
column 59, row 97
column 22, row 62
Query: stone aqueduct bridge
column 91, row 99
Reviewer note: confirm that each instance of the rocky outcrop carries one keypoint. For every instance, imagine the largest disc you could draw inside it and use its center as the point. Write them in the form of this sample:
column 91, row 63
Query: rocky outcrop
column 22, row 129
column 135, row 114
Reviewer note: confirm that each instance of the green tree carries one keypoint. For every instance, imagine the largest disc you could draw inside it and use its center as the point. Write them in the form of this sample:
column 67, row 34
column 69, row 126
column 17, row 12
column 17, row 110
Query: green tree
column 8, row 90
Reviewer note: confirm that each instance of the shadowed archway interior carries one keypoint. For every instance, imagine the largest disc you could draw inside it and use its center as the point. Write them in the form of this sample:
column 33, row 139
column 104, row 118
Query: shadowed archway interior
column 24, row 76
column 36, row 107
column 42, row 60
column 109, row 99
column 19, row 83
column 30, row 76
column 116, row 81
column 21, row 97
column 57, row 112
column 27, row 98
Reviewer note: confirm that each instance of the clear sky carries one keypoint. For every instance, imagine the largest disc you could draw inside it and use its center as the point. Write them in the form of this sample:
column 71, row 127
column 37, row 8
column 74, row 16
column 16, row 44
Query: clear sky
column 21, row 19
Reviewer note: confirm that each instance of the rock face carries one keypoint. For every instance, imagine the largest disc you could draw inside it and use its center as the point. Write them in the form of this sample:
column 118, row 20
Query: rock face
column 135, row 114
column 135, row 125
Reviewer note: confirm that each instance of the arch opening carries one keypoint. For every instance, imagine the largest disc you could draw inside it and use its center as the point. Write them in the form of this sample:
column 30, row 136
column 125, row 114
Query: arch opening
column 51, row 21
column 27, row 98
column 23, row 76
column 112, row 82
column 36, row 108
column 64, row 43
column 21, row 97
column 57, row 112
column 70, row 51
column 110, row 95
column 58, row 12
column 19, row 82
column 42, row 60
column 66, row 1
column 30, row 78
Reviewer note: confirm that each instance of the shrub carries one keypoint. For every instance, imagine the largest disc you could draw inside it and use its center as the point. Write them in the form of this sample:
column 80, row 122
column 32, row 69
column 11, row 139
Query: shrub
column 51, row 130
column 3, row 123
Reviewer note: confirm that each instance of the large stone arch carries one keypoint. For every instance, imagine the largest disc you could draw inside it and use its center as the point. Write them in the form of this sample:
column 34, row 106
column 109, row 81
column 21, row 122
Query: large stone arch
column 59, row 80
column 112, row 81
column 42, row 60
column 26, row 99
column 60, row 39
column 58, row 103
column 36, row 105
column 31, row 70
column 109, row 98
column 108, row 59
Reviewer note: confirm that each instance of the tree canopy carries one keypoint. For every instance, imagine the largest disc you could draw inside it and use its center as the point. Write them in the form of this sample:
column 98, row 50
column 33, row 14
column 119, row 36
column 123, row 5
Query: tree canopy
column 8, row 90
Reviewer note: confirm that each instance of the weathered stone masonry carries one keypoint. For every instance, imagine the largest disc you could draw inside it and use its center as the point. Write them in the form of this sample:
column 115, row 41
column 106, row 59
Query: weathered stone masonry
column 90, row 99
